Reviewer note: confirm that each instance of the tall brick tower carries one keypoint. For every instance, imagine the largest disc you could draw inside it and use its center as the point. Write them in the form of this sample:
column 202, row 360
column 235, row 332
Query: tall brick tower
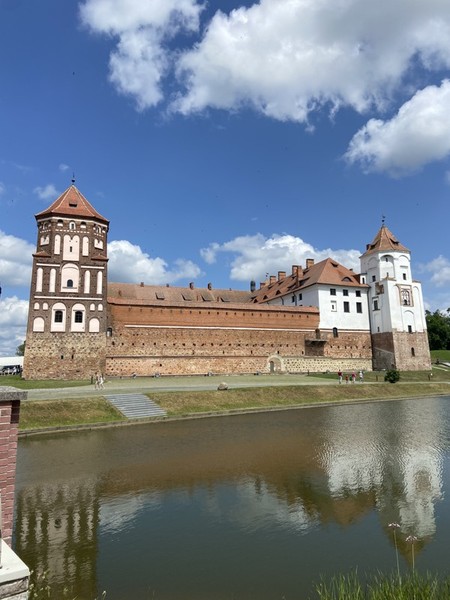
column 396, row 309
column 66, row 333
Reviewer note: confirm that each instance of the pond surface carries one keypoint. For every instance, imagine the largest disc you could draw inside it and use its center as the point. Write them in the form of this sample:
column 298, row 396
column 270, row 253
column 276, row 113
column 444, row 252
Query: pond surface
column 254, row 507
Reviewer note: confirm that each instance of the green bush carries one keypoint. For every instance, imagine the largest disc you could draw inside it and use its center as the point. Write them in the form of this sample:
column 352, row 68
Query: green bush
column 392, row 376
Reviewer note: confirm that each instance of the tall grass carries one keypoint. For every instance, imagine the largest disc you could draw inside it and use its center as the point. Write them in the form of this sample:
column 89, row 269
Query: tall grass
column 384, row 587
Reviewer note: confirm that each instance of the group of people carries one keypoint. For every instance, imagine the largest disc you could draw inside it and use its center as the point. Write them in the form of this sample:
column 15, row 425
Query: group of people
column 351, row 377
column 99, row 381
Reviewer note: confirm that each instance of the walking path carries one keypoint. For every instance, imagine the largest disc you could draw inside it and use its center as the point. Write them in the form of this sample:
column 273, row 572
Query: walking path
column 145, row 385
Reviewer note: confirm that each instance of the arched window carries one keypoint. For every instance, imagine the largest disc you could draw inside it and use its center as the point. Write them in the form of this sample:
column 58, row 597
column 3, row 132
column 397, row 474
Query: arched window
column 58, row 316
column 406, row 298
column 39, row 278
column 335, row 332
column 38, row 324
column 69, row 283
column 78, row 316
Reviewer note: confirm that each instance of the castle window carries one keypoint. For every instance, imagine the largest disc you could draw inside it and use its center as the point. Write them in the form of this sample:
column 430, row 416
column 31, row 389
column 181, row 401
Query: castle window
column 69, row 283
column 334, row 305
column 345, row 292
column 375, row 304
column 58, row 316
column 59, row 223
column 335, row 332
column 410, row 329
column 406, row 299
column 332, row 291
column 359, row 307
column 300, row 296
column 374, row 278
column 72, row 225
column 358, row 293
column 109, row 332
column 413, row 352
column 346, row 307
column 404, row 276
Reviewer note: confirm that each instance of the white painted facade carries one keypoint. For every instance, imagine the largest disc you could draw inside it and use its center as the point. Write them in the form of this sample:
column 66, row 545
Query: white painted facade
column 395, row 299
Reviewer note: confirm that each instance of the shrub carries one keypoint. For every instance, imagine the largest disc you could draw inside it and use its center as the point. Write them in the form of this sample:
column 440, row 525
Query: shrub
column 392, row 376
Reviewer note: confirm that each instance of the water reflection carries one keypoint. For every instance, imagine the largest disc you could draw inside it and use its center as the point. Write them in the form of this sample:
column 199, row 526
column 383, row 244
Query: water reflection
column 244, row 507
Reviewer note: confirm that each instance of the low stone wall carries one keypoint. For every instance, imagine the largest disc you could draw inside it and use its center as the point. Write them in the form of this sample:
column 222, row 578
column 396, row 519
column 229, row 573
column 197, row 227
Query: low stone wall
column 294, row 364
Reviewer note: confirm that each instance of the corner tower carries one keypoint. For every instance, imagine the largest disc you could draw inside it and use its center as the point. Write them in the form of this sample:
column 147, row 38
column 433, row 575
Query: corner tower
column 66, row 332
column 397, row 314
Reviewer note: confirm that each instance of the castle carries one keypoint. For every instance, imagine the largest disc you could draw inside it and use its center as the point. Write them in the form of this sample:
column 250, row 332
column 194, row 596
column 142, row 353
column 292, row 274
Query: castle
column 319, row 317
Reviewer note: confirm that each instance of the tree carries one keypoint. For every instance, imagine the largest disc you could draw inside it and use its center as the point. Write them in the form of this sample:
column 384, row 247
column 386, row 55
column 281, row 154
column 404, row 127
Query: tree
column 438, row 325
column 20, row 350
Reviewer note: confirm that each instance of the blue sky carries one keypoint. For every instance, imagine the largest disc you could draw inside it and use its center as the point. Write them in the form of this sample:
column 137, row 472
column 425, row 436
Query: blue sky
column 226, row 140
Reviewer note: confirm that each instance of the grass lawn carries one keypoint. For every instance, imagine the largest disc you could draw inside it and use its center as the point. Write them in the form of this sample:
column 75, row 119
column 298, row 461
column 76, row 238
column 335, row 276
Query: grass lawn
column 185, row 403
column 61, row 413
column 23, row 384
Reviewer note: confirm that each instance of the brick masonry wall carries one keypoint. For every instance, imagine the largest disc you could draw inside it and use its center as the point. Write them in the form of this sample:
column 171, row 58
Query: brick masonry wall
column 198, row 340
column 9, row 422
column 394, row 350
column 64, row 355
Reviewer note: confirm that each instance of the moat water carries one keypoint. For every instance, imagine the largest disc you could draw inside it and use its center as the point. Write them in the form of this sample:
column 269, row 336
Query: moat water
column 255, row 507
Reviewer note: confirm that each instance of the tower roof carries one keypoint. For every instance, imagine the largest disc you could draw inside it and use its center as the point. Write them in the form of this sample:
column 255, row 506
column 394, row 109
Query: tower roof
column 72, row 203
column 385, row 241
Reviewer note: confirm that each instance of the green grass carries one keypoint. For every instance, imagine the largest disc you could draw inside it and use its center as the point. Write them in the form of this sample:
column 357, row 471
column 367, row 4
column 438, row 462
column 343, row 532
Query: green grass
column 442, row 355
column 41, row 384
column 63, row 413
column 185, row 403
column 439, row 374
column 384, row 587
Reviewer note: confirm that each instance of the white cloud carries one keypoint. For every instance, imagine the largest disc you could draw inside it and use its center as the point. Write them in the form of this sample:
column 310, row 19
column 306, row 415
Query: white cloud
column 255, row 256
column 141, row 58
column 63, row 167
column 128, row 263
column 47, row 193
column 13, row 324
column 439, row 271
column 15, row 261
column 286, row 58
column 2, row 188
column 417, row 135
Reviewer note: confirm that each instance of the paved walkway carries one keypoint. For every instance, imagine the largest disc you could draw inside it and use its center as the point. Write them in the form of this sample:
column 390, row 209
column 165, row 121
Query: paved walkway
column 145, row 385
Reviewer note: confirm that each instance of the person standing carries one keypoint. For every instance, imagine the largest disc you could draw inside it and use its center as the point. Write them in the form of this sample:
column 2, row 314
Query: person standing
column 340, row 376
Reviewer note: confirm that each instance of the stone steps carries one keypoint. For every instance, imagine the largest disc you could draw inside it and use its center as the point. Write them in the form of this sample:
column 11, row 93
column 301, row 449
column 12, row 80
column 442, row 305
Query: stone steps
column 136, row 406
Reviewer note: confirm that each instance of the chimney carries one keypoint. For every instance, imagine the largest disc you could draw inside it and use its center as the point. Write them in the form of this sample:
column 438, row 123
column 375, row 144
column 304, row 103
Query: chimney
column 262, row 284
column 209, row 286
column 272, row 279
column 309, row 262
column 281, row 275
column 191, row 285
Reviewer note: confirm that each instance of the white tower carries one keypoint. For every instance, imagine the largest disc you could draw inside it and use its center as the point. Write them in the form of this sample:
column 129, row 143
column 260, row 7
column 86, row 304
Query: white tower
column 397, row 314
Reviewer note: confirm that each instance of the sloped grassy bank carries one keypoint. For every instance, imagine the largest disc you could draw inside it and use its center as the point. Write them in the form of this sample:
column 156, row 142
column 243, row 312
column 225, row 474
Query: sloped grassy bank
column 93, row 410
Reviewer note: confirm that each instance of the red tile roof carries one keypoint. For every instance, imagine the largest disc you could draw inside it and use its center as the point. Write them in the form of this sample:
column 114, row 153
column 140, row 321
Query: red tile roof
column 385, row 241
column 72, row 203
column 326, row 272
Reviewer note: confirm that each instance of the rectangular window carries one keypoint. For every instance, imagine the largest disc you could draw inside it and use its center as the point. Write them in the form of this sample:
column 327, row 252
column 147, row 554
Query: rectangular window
column 346, row 306
column 375, row 304
column 345, row 292
column 409, row 329
column 334, row 306
column 358, row 293
column 404, row 276
column 359, row 307
column 373, row 278
column 300, row 296
column 332, row 291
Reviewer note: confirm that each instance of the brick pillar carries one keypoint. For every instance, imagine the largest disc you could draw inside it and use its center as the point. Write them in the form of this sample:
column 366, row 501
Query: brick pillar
column 9, row 422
